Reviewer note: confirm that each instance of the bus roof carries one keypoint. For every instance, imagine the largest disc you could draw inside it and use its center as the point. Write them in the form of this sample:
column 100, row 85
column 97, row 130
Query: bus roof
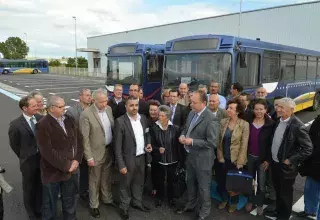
column 226, row 41
column 139, row 47
column 21, row 60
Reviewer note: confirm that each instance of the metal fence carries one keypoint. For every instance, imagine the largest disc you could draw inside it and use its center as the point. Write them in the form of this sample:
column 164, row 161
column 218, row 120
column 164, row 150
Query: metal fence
column 62, row 70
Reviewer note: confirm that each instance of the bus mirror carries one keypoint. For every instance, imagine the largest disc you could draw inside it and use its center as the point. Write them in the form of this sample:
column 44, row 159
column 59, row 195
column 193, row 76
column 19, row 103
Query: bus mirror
column 243, row 61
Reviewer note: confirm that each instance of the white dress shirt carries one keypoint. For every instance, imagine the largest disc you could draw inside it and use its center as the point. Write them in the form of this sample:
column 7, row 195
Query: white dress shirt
column 28, row 119
column 138, row 134
column 106, row 125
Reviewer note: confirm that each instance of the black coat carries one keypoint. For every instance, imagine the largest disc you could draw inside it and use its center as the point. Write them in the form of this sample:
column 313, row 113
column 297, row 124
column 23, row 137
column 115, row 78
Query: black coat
column 296, row 146
column 167, row 139
column 265, row 139
column 115, row 107
column 311, row 166
column 180, row 115
column 23, row 142
column 143, row 108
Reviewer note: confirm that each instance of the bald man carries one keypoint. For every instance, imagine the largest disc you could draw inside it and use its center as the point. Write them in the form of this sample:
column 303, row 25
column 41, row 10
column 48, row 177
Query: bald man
column 217, row 112
column 183, row 94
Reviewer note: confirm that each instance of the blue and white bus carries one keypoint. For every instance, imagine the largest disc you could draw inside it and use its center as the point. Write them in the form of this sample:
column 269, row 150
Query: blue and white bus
column 23, row 66
column 136, row 63
column 282, row 70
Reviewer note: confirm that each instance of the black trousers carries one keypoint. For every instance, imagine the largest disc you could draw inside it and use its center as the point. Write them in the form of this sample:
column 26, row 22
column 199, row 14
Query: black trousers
column 84, row 177
column 1, row 206
column 284, row 191
column 160, row 172
column 32, row 187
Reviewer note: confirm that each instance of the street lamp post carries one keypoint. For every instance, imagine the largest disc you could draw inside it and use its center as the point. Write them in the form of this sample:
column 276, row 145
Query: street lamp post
column 75, row 40
column 239, row 25
column 26, row 35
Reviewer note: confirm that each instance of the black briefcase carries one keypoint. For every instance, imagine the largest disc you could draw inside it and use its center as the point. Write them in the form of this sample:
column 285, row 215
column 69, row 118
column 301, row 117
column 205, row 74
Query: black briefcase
column 239, row 181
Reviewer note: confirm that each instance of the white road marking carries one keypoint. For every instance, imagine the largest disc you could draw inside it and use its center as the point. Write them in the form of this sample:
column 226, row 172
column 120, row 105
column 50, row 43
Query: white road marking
column 50, row 93
column 61, row 88
column 26, row 86
column 65, row 92
column 18, row 84
column 299, row 207
column 76, row 100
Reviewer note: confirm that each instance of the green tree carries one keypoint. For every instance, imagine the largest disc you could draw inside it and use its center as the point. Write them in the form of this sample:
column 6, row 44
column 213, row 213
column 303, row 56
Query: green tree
column 54, row 63
column 71, row 62
column 82, row 62
column 14, row 48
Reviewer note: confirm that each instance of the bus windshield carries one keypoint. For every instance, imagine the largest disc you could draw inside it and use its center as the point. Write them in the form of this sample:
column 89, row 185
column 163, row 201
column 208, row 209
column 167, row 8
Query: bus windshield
column 124, row 70
column 195, row 69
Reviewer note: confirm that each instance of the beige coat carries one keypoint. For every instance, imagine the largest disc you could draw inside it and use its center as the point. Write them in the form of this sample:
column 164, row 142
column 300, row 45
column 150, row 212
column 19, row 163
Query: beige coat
column 239, row 141
column 94, row 142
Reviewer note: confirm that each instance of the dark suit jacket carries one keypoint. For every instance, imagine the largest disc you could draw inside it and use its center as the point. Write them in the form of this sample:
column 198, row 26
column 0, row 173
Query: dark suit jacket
column 115, row 107
column 57, row 148
column 204, row 134
column 221, row 114
column 180, row 115
column 296, row 146
column 125, row 142
column 143, row 108
column 23, row 142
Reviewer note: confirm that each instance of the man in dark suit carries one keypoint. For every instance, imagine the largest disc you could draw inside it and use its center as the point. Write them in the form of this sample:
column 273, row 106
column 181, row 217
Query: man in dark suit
column 61, row 151
column 199, row 138
column 115, row 100
column 131, row 148
column 143, row 105
column 23, row 143
column 179, row 112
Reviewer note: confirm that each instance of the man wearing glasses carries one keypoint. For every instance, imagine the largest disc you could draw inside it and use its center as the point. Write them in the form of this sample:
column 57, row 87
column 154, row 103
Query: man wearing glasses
column 61, row 150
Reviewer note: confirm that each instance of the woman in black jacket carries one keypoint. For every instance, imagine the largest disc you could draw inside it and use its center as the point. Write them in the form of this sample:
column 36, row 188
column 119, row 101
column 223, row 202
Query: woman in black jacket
column 259, row 150
column 166, row 153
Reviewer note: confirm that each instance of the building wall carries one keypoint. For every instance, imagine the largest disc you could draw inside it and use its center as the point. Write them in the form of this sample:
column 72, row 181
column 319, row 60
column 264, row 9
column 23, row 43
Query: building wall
column 295, row 25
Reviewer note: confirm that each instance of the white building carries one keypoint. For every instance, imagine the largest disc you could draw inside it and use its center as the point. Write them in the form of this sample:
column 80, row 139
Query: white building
column 294, row 25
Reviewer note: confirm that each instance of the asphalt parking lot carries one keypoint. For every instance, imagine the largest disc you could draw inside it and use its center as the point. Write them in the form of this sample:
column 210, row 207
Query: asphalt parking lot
column 68, row 87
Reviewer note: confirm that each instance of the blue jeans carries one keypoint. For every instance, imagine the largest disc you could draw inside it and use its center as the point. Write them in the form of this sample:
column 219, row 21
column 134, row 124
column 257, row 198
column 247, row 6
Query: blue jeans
column 312, row 197
column 68, row 196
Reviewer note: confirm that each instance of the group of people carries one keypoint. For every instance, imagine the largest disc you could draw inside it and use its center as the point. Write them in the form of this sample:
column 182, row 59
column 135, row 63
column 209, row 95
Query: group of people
column 72, row 154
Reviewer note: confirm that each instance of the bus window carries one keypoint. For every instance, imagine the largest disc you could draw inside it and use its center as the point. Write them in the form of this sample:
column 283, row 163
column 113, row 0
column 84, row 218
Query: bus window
column 288, row 66
column 270, row 67
column 301, row 68
column 154, row 68
column 248, row 76
column 312, row 68
column 2, row 65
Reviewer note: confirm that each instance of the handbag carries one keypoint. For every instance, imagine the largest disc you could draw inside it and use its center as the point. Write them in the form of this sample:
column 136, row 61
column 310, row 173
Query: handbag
column 239, row 182
column 179, row 181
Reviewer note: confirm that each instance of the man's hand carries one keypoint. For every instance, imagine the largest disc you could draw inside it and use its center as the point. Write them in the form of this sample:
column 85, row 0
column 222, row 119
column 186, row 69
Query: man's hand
column 124, row 171
column 239, row 166
column 74, row 166
column 162, row 149
column 182, row 139
column 265, row 165
column 91, row 163
column 148, row 148
column 188, row 141
column 287, row 162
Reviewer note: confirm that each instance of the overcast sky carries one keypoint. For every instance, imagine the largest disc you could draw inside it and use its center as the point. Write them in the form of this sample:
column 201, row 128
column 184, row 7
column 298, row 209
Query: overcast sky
column 50, row 27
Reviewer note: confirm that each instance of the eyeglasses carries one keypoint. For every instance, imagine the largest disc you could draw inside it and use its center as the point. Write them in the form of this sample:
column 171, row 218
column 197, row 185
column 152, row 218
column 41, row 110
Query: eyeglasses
column 63, row 106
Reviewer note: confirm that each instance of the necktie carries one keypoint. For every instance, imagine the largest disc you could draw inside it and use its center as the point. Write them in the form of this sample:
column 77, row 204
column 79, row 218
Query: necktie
column 33, row 125
column 172, row 112
column 192, row 123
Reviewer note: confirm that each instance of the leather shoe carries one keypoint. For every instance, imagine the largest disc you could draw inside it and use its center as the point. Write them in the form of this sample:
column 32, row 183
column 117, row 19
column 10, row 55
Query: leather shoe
column 95, row 213
column 184, row 209
column 142, row 208
column 303, row 214
column 124, row 214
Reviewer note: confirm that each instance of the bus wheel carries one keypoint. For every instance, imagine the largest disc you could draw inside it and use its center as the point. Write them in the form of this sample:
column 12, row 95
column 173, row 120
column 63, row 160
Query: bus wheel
column 35, row 71
column 5, row 72
column 316, row 103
